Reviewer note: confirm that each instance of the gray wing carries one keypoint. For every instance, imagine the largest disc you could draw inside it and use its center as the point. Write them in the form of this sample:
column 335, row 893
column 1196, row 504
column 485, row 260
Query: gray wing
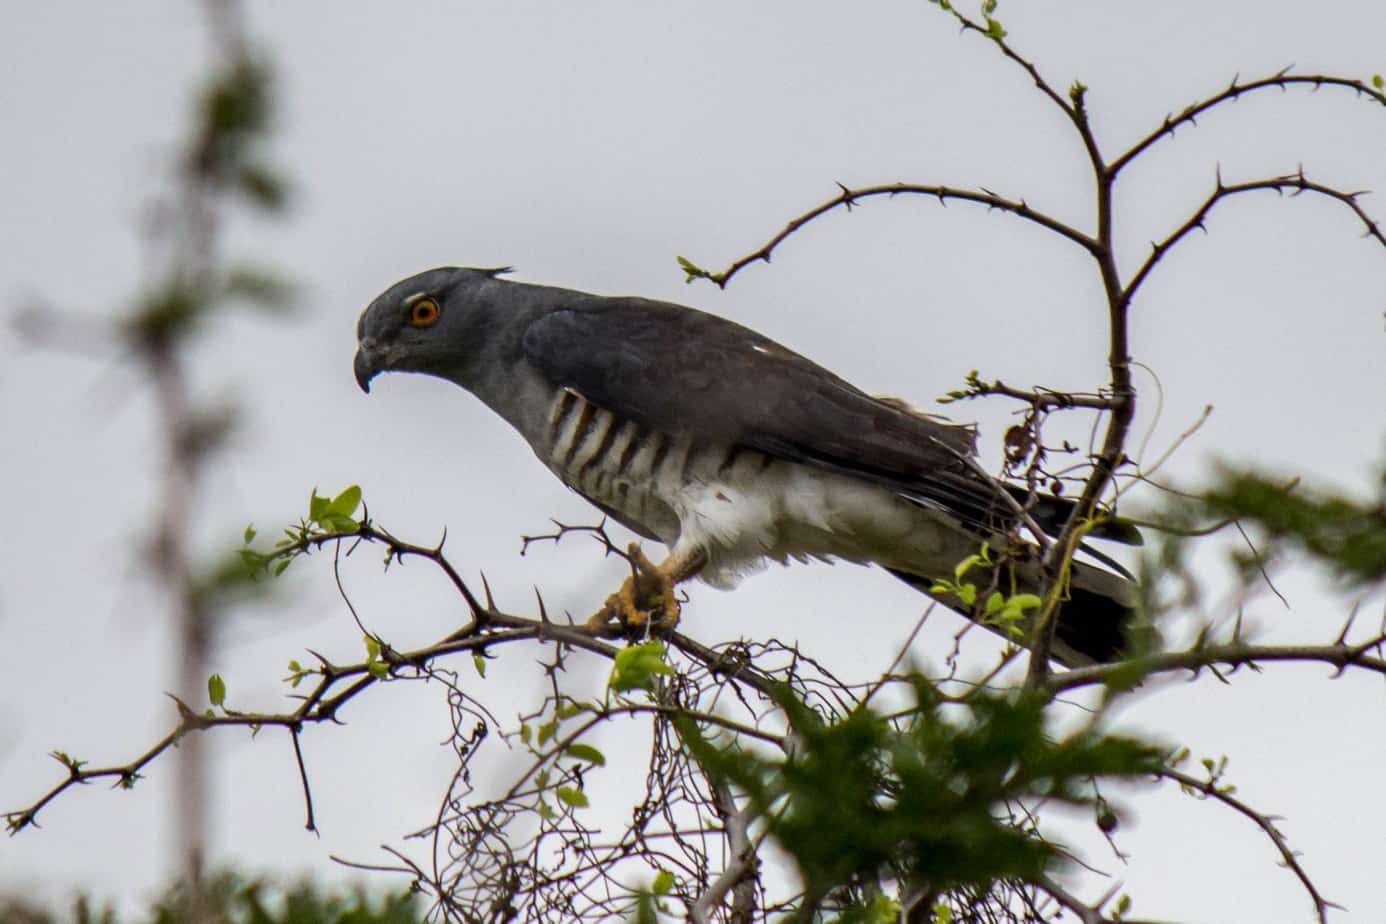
column 682, row 371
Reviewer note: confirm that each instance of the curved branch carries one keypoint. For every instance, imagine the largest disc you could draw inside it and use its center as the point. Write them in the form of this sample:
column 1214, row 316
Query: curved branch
column 849, row 197
column 488, row 627
column 1072, row 106
column 1295, row 183
column 1224, row 795
column 1284, row 79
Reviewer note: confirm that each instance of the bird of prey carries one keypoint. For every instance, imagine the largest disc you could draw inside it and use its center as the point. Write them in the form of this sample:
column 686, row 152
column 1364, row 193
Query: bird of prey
column 725, row 446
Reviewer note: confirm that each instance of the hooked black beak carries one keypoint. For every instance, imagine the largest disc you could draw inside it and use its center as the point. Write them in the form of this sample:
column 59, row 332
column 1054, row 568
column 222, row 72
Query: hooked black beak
column 365, row 366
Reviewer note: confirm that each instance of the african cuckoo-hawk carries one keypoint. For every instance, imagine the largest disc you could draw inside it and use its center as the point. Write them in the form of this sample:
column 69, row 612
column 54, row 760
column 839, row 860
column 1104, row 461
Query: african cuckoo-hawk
column 723, row 445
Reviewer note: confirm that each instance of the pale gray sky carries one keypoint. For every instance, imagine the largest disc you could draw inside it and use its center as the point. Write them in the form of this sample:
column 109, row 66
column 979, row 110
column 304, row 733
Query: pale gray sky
column 589, row 144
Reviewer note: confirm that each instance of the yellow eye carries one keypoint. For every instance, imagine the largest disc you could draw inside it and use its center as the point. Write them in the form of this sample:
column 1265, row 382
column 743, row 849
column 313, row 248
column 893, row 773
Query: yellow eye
column 423, row 312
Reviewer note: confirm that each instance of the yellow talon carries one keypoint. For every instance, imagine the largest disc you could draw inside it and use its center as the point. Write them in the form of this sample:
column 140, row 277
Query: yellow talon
column 648, row 595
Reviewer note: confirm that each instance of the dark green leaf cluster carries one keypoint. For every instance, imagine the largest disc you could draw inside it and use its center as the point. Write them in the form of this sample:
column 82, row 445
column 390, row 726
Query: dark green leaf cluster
column 233, row 117
column 921, row 797
column 1346, row 534
column 229, row 899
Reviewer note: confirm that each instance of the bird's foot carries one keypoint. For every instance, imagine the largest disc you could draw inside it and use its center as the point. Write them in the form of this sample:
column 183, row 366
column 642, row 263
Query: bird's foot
column 647, row 599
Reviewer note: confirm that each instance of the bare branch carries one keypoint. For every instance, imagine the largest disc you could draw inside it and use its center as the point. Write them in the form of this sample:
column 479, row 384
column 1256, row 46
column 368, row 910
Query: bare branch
column 1222, row 793
column 1284, row 80
column 1294, row 183
column 849, row 197
column 739, row 877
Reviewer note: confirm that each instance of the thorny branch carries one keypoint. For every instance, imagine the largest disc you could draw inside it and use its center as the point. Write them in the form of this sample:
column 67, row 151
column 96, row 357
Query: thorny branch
column 483, row 870
column 1212, row 789
column 1117, row 398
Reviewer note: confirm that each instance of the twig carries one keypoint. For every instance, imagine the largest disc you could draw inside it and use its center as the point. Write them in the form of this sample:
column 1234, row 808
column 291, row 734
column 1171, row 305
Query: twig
column 1284, row 79
column 1212, row 790
column 850, row 197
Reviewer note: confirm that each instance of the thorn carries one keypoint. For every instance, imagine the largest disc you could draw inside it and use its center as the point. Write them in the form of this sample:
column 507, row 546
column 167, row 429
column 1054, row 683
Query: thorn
column 486, row 589
column 438, row 549
column 184, row 712
column 1108, row 895
column 1347, row 626
column 1283, row 71
column 848, row 199
column 543, row 610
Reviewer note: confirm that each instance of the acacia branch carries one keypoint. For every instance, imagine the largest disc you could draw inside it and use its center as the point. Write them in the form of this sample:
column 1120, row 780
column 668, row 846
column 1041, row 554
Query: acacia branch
column 1041, row 399
column 1210, row 789
column 1296, row 183
column 488, row 627
column 1340, row 654
column 850, row 197
column 1284, row 79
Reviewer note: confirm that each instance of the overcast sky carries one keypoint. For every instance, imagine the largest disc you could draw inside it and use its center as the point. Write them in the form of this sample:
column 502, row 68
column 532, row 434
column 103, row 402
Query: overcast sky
column 588, row 144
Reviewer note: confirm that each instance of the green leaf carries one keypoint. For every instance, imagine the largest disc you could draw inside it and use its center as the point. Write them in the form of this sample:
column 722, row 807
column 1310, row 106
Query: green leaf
column 692, row 270
column 645, row 910
column 318, row 507
column 378, row 669
column 995, row 602
column 588, row 753
column 994, row 29
column 966, row 565
column 636, row 666
column 546, row 730
column 372, row 647
column 1025, row 601
column 216, row 689
column 1378, row 82
column 338, row 523
column 573, row 796
column 279, row 568
column 567, row 709
column 663, row 882
column 526, row 733
column 479, row 662
column 345, row 504
column 249, row 534
column 967, row 593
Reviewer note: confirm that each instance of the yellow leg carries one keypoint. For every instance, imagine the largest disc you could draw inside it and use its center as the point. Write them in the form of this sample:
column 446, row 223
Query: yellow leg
column 648, row 595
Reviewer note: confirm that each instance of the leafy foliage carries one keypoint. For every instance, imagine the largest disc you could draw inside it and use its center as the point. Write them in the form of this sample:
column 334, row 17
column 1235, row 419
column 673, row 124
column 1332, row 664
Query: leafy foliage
column 1346, row 534
column 231, row 899
column 923, row 796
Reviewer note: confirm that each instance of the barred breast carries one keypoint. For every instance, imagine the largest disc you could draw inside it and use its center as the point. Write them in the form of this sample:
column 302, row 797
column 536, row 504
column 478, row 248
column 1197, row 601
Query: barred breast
column 639, row 475
column 740, row 506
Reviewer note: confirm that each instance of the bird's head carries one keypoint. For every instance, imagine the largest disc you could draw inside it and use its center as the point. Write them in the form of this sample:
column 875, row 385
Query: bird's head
column 430, row 323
